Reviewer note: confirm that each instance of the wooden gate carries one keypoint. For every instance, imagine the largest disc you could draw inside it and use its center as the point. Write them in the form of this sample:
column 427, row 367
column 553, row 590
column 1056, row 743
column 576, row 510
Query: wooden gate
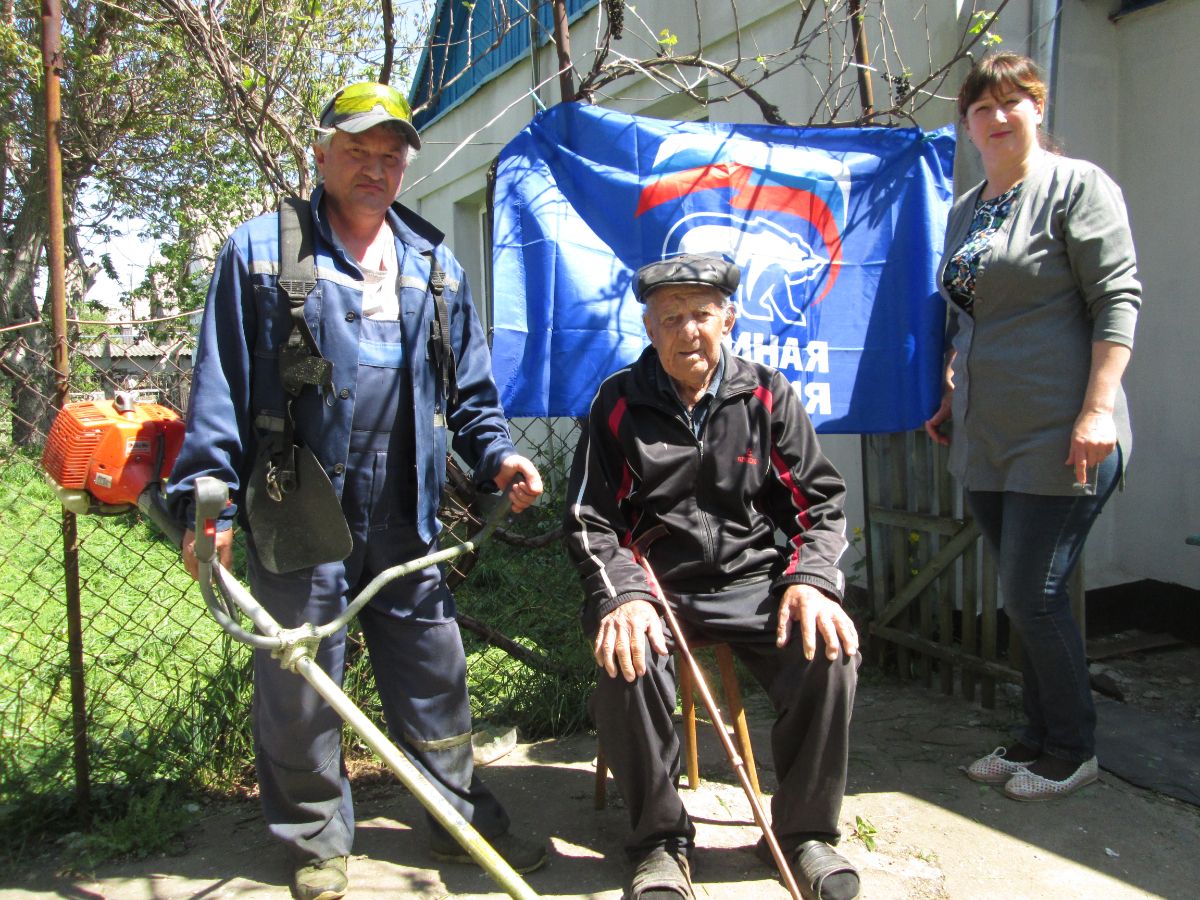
column 935, row 602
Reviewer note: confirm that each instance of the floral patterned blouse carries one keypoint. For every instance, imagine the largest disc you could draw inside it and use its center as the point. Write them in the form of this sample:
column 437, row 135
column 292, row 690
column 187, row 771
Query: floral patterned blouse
column 959, row 276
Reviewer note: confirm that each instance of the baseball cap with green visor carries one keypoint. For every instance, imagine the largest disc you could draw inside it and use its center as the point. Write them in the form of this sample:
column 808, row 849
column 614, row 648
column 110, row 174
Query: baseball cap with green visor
column 363, row 105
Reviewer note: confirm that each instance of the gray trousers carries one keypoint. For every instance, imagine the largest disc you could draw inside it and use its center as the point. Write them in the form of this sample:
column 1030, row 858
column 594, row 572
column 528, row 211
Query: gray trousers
column 809, row 740
column 420, row 672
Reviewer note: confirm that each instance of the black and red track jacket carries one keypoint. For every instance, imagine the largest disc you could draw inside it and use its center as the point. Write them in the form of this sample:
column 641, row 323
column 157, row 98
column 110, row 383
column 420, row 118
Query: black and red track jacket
column 704, row 512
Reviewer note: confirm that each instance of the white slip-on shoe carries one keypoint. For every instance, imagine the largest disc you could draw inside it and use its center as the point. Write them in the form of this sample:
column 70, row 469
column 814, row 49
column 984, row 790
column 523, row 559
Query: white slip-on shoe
column 1025, row 785
column 994, row 768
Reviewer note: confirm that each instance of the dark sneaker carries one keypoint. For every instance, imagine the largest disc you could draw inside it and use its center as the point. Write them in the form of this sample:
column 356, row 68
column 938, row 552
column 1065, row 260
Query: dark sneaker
column 524, row 856
column 324, row 879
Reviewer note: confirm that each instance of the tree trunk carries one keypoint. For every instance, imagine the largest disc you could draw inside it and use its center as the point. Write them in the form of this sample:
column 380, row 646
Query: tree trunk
column 25, row 356
column 20, row 259
column 27, row 361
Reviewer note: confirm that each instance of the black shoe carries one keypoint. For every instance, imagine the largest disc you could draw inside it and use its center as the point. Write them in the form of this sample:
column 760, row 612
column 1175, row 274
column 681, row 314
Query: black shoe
column 820, row 872
column 663, row 873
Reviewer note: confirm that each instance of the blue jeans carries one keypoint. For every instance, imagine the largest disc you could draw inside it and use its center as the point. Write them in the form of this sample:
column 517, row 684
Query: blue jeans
column 1038, row 539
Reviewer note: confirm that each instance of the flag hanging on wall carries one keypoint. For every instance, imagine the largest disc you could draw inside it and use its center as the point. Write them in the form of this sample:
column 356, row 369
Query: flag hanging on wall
column 837, row 232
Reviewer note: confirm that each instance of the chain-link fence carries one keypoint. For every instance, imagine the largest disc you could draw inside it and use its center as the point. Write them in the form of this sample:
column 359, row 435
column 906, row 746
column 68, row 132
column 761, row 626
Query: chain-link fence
column 116, row 679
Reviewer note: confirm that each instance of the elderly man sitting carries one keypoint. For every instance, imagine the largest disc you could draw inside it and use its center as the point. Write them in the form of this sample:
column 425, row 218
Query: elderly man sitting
column 694, row 459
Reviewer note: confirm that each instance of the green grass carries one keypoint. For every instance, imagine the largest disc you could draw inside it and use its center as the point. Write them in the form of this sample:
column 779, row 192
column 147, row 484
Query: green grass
column 164, row 687
column 146, row 822
column 168, row 693
column 533, row 597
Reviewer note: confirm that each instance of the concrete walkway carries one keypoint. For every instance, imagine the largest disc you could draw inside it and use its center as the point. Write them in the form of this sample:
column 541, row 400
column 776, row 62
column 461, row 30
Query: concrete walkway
column 936, row 834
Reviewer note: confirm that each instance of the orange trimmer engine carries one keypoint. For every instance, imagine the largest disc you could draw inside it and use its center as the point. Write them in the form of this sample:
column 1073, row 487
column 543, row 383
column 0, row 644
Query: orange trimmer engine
column 102, row 454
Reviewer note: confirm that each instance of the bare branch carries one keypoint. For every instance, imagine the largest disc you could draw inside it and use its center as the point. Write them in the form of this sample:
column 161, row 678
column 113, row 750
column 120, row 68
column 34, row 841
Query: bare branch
column 539, row 661
column 834, row 42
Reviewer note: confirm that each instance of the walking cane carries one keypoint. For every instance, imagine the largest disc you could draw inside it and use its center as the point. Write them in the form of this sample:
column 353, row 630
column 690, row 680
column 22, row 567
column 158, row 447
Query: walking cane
column 739, row 765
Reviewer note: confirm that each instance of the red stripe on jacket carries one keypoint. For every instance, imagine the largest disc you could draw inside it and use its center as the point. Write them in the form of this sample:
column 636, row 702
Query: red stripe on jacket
column 765, row 396
column 614, row 425
column 798, row 500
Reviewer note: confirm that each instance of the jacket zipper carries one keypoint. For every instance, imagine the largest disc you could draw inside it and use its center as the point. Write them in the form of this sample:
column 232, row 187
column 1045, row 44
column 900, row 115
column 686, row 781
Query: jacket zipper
column 709, row 543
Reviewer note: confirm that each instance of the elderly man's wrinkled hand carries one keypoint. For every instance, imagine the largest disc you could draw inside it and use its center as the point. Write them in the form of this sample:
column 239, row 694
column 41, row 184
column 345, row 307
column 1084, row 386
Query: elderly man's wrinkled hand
column 817, row 614
column 621, row 641
column 527, row 488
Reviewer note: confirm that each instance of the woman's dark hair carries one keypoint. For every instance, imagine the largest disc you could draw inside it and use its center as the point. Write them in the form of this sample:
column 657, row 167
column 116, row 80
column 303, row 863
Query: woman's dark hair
column 998, row 71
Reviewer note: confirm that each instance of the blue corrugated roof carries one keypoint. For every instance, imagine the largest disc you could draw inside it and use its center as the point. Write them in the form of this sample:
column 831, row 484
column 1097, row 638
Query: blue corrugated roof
column 461, row 39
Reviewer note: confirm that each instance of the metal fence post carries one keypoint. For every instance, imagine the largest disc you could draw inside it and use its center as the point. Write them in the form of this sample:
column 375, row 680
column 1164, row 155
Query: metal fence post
column 55, row 251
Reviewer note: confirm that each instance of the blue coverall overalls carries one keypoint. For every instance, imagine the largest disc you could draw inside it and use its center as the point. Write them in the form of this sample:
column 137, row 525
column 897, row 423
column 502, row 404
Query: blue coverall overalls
column 381, row 437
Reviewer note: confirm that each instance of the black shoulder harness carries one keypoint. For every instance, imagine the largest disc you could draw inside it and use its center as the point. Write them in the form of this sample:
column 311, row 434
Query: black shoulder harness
column 300, row 360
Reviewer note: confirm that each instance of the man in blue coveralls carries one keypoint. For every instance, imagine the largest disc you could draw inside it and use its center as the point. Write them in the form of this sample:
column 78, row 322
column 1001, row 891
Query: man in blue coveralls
column 379, row 430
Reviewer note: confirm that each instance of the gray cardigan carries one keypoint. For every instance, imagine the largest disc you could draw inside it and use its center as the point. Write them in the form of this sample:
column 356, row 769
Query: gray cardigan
column 1058, row 275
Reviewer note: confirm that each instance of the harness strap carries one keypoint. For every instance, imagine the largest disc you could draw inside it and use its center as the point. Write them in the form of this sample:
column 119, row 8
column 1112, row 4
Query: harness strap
column 439, row 332
column 297, row 264
column 300, row 360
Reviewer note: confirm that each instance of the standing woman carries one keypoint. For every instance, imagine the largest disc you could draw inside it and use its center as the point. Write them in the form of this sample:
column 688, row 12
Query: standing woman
column 1040, row 274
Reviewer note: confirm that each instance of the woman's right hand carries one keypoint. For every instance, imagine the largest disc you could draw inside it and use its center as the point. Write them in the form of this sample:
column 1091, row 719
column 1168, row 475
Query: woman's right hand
column 933, row 425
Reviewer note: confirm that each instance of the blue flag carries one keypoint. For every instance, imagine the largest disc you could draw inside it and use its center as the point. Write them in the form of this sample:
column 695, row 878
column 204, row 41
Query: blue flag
column 837, row 232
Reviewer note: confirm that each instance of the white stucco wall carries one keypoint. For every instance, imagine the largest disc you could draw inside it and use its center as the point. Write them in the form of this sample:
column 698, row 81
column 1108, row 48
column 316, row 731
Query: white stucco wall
column 452, row 195
column 1128, row 98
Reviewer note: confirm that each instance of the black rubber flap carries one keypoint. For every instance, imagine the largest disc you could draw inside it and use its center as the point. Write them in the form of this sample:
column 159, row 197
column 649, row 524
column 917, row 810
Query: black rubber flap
column 305, row 528
column 1153, row 751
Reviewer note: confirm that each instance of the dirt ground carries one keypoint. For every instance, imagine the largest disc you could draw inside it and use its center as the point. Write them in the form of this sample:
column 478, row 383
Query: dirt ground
column 1162, row 680
column 935, row 833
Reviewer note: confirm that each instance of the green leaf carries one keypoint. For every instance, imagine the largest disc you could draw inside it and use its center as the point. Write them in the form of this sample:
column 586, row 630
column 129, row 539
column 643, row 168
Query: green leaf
column 983, row 21
column 865, row 832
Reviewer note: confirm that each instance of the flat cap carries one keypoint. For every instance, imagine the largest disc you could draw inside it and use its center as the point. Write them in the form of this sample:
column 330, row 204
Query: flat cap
column 688, row 268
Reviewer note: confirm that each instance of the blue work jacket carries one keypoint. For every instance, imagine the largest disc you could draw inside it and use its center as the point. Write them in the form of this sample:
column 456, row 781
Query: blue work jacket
column 237, row 394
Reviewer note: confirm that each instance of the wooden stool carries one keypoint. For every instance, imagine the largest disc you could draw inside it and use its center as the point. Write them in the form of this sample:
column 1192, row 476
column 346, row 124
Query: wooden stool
column 733, row 700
